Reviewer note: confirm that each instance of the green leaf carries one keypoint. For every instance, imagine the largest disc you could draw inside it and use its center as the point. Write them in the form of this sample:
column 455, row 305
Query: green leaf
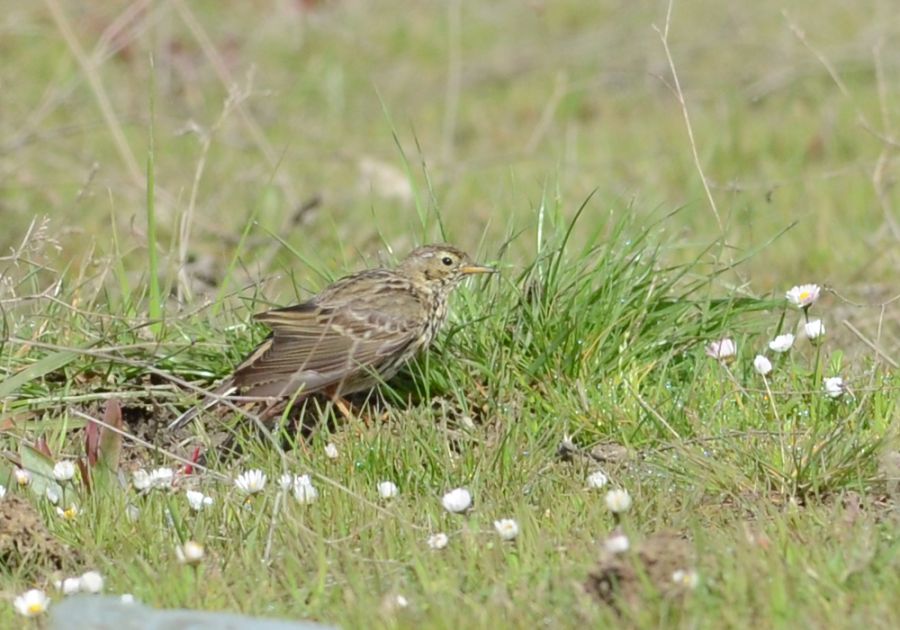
column 36, row 370
column 41, row 468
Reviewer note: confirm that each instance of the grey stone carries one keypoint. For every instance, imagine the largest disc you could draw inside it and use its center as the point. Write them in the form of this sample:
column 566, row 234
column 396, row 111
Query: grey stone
column 108, row 612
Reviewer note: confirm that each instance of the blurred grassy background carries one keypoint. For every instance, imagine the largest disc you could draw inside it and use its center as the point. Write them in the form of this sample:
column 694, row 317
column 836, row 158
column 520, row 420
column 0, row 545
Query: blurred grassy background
column 269, row 105
column 295, row 137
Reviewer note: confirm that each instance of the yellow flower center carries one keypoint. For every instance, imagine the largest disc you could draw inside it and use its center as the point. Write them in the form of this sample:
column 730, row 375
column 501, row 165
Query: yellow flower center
column 804, row 295
column 70, row 513
column 36, row 608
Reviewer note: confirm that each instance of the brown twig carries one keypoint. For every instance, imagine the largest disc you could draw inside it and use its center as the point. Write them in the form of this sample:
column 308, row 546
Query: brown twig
column 679, row 94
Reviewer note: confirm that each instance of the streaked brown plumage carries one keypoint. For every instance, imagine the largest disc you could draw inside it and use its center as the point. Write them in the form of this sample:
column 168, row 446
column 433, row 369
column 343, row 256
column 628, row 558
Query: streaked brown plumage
column 355, row 333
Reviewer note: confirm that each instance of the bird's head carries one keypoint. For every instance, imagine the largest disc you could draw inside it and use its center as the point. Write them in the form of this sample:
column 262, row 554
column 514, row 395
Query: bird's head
column 440, row 265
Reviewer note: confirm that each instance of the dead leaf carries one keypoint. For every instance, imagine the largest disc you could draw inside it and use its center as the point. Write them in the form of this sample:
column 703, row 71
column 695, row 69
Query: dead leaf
column 111, row 440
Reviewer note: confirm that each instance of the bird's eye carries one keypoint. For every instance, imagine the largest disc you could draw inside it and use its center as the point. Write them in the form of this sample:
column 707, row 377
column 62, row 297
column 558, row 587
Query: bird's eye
column 447, row 260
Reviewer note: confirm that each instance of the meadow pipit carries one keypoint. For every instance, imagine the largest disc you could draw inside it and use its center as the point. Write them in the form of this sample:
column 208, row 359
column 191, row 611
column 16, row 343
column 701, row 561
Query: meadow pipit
column 354, row 334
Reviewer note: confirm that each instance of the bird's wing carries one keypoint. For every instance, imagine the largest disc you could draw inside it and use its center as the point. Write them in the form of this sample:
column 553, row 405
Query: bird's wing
column 314, row 347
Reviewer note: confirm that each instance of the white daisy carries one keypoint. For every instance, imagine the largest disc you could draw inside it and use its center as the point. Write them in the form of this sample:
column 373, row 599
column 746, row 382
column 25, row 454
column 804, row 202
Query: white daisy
column 388, row 490
column 438, row 541
column 69, row 586
column 197, row 500
column 782, row 343
column 762, row 365
column 507, row 528
column 52, row 493
column 161, row 477
column 286, row 481
column 803, row 296
column 597, row 480
column 141, row 480
column 834, row 386
column 618, row 501
column 458, row 500
column 304, row 491
column 722, row 349
column 32, row 603
column 401, row 601
column 91, row 582
column 69, row 513
column 189, row 553
column 687, row 578
column 251, row 481
column 23, row 477
column 64, row 470
column 617, row 543
column 814, row 329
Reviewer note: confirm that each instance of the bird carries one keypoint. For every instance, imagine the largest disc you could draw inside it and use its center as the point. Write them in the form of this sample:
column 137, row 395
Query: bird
column 354, row 334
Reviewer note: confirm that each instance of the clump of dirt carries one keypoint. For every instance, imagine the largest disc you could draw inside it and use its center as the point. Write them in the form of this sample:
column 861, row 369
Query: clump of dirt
column 26, row 546
column 663, row 562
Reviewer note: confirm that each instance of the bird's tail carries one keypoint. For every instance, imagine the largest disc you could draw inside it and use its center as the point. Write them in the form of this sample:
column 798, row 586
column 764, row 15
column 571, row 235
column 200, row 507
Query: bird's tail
column 212, row 399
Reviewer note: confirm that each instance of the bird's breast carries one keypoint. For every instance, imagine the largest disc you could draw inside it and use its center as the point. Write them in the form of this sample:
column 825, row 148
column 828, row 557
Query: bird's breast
column 436, row 319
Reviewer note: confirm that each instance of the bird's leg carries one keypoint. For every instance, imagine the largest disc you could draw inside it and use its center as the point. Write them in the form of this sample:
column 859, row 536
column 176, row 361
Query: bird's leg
column 343, row 406
column 272, row 409
column 281, row 410
column 335, row 398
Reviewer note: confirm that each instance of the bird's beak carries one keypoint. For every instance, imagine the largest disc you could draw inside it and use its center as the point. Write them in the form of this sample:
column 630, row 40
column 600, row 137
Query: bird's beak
column 471, row 269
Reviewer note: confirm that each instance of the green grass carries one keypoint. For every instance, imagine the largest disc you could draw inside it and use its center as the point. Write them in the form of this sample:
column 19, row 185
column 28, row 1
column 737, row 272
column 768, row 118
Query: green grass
column 558, row 155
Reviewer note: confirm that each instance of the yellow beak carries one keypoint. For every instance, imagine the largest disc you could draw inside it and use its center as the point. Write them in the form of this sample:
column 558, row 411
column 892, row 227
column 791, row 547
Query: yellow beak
column 470, row 269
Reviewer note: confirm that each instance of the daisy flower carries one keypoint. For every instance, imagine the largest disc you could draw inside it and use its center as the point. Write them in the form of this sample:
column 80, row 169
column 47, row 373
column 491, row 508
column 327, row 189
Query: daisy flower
column 251, row 481
column 69, row 586
column 438, row 541
column 156, row 478
column 597, row 480
column 90, row 582
column 32, row 603
column 52, row 493
column 782, row 343
column 618, row 501
column 388, row 490
column 689, row 579
column 803, row 296
column 401, row 601
column 140, row 479
column 304, row 491
column 762, row 365
column 189, row 553
column 456, row 501
column 507, row 528
column 23, row 477
column 286, row 481
column 69, row 513
column 161, row 477
column 834, row 386
column 814, row 329
column 617, row 543
column 64, row 470
column 197, row 500
column 723, row 349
